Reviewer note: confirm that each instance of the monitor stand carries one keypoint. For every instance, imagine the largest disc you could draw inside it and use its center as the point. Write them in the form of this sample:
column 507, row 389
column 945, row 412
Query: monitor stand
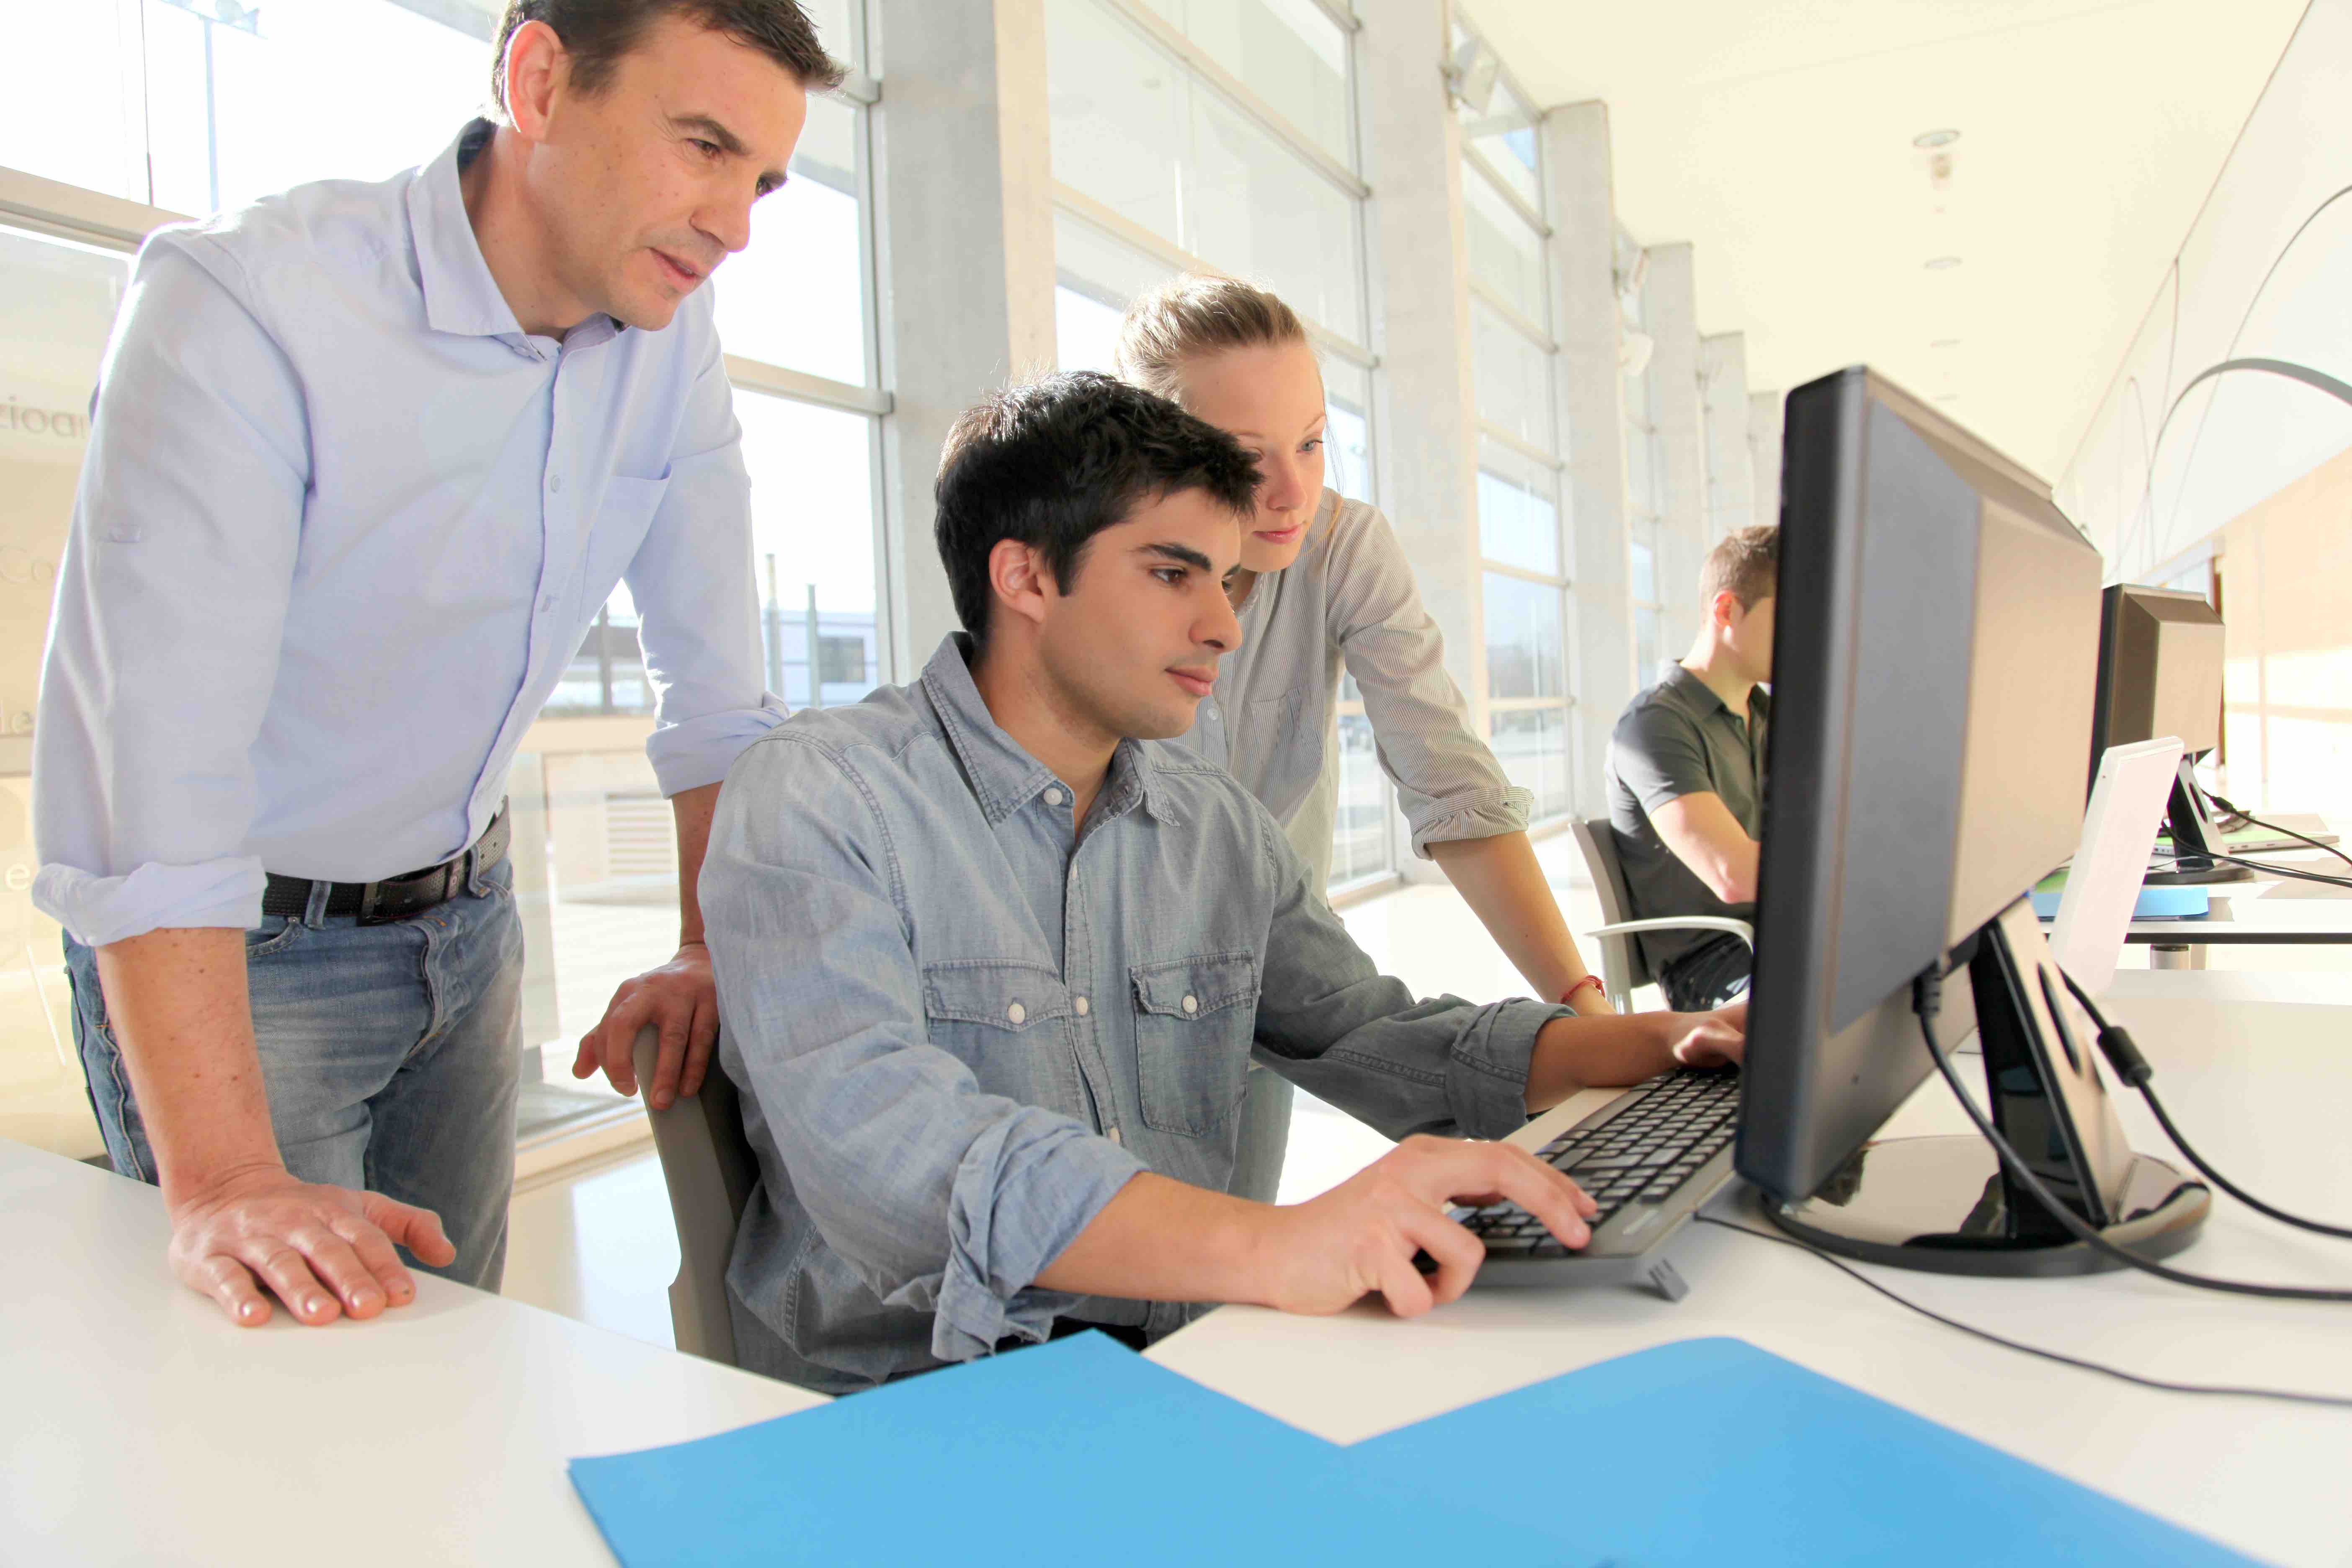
column 2195, row 837
column 1946, row 1205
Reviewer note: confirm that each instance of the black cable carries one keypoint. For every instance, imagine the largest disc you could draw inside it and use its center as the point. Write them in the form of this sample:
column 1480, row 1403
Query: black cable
column 2134, row 1070
column 2160, row 1384
column 2248, row 816
column 2176, row 856
column 1926, row 998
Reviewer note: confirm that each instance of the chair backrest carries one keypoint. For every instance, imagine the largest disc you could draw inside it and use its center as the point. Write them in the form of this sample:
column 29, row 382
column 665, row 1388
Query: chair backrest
column 711, row 1170
column 1623, row 968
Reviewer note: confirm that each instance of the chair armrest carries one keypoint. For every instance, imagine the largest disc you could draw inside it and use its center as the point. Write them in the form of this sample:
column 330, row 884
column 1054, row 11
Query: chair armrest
column 1740, row 928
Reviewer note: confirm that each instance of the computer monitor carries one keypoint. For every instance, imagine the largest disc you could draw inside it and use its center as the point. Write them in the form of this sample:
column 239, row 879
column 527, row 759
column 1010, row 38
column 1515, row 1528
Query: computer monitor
column 2161, row 654
column 1932, row 689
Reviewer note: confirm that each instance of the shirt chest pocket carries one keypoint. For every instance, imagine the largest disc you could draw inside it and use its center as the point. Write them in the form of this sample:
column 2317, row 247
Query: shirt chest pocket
column 1285, row 737
column 616, row 530
column 1001, row 1018
column 1193, row 1022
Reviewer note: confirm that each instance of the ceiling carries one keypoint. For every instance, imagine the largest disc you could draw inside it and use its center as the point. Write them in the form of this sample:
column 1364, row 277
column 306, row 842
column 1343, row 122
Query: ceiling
column 1777, row 136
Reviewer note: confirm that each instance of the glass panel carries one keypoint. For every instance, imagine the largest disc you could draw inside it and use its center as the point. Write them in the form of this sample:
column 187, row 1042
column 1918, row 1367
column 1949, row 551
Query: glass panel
column 831, row 18
column 1131, row 130
column 1641, row 472
column 1524, row 645
column 1513, row 378
column 1643, row 575
column 1086, row 332
column 239, row 109
column 1347, row 430
column 1286, row 51
column 87, row 78
column 1532, row 745
column 1505, row 135
column 57, row 305
column 1361, row 845
column 796, row 295
column 1518, row 520
column 1506, row 255
column 812, row 462
column 1108, row 268
column 1646, row 655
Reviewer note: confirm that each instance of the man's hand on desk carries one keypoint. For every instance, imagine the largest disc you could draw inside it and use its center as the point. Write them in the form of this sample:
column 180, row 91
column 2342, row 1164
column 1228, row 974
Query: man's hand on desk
column 680, row 1000
column 1362, row 1236
column 324, row 1251
column 1715, row 1039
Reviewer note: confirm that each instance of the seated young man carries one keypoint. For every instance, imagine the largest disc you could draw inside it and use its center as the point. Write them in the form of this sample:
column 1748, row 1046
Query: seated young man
column 1686, row 778
column 991, row 957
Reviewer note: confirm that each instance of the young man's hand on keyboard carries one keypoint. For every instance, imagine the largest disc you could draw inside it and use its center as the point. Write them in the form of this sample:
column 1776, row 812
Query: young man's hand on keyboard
column 1611, row 1053
column 1715, row 1039
column 1364, row 1234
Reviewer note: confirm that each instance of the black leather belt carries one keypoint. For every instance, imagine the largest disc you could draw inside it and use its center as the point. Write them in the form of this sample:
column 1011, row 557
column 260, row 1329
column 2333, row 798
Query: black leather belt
column 395, row 898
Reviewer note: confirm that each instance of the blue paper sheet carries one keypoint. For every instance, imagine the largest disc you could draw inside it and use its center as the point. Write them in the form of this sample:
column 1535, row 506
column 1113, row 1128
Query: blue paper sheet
column 1077, row 1451
column 1712, row 1451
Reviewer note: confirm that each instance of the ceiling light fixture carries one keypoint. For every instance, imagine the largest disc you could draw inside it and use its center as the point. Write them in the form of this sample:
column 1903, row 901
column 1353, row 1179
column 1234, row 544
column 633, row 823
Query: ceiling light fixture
column 1935, row 138
column 1942, row 263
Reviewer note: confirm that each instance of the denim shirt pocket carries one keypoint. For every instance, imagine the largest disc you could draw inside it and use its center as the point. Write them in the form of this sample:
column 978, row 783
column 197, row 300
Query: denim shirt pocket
column 996, row 1015
column 1193, row 1022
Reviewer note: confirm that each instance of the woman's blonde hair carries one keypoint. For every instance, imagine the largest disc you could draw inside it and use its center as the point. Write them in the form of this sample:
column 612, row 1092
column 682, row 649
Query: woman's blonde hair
column 1191, row 315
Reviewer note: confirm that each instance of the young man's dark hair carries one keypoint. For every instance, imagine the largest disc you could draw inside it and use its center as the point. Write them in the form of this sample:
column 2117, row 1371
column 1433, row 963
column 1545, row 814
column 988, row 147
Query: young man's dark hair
column 1746, row 563
column 1053, row 463
column 597, row 33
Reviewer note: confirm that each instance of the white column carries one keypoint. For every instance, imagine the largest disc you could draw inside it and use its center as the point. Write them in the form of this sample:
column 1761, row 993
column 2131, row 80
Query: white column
column 964, row 218
column 1731, row 465
column 1672, row 317
column 1419, row 254
column 1764, row 453
column 1589, row 330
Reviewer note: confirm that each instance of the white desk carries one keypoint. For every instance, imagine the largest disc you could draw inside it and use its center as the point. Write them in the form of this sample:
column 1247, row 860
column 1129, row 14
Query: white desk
column 2265, row 1477
column 138, row 1425
column 2267, row 912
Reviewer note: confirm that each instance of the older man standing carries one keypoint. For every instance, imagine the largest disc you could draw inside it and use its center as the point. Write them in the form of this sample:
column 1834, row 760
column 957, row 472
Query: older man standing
column 367, row 458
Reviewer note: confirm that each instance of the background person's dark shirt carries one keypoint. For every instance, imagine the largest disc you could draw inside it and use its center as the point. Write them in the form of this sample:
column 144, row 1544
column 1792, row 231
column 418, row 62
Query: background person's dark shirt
column 1675, row 739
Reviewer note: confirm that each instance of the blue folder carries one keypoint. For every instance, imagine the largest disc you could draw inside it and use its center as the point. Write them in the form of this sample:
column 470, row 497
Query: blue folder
column 1712, row 1451
column 1077, row 1451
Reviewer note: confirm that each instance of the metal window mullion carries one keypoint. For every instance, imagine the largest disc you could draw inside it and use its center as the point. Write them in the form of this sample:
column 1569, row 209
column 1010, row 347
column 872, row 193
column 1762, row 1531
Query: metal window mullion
column 1521, row 446
column 1525, row 575
column 1237, row 94
column 1135, row 236
column 76, row 213
column 802, row 387
column 1528, row 704
column 1347, row 21
column 1537, row 337
column 1502, row 187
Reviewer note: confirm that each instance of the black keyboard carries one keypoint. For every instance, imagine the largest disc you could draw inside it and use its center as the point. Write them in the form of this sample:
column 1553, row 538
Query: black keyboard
column 1638, row 1150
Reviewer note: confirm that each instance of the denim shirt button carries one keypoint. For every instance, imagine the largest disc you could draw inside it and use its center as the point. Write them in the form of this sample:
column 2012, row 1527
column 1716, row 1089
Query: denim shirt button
column 1081, row 1005
column 1112, row 1133
column 1016, row 1014
column 1052, row 797
column 1190, row 1004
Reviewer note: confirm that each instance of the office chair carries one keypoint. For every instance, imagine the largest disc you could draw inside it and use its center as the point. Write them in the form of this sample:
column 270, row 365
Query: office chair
column 709, row 1168
column 1623, row 968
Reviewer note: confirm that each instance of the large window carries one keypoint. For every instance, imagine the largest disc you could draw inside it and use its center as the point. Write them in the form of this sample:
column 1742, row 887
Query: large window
column 1218, row 136
column 184, row 107
column 1525, row 601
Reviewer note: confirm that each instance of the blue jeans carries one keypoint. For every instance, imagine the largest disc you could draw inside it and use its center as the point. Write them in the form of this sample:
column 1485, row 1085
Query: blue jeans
column 391, row 1055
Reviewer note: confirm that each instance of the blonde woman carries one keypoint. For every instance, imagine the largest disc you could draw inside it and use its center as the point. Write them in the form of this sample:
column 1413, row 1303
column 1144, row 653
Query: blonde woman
column 1324, row 582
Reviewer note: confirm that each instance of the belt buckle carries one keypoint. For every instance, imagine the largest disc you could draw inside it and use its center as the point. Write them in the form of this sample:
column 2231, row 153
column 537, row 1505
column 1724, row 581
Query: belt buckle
column 368, row 897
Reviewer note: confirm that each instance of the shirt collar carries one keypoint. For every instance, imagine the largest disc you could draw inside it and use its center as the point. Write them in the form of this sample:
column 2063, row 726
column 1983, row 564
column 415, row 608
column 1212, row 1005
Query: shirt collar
column 460, row 295
column 1699, row 700
column 1003, row 776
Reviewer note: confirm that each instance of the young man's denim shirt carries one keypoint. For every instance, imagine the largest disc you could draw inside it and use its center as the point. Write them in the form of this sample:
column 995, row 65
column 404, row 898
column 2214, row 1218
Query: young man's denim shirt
column 959, row 1035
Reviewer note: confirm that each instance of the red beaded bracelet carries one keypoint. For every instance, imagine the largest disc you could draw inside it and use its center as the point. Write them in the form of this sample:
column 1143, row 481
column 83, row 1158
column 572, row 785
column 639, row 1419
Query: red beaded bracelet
column 1567, row 999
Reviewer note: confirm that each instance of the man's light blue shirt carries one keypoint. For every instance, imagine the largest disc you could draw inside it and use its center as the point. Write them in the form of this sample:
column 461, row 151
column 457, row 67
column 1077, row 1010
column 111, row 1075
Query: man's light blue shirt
column 342, row 526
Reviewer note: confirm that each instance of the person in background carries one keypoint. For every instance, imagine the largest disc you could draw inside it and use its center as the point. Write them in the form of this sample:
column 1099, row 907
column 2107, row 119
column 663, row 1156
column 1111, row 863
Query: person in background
column 367, row 459
column 1324, row 585
column 994, row 958
column 1686, row 777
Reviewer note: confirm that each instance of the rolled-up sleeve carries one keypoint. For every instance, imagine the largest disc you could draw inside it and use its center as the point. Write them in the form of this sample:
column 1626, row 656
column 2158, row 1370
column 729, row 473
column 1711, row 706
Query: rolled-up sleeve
column 1448, row 782
column 170, row 606
column 1331, row 1023
column 699, row 599
column 942, row 1197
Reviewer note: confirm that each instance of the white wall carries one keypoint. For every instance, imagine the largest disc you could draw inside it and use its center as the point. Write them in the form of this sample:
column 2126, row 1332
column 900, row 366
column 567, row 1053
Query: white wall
column 2170, row 457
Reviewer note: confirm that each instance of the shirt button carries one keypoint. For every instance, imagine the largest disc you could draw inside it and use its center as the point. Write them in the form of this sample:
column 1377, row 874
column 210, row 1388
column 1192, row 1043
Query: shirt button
column 1190, row 1004
column 1017, row 1014
column 1052, row 797
column 1113, row 1135
column 555, row 483
column 1082, row 1005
